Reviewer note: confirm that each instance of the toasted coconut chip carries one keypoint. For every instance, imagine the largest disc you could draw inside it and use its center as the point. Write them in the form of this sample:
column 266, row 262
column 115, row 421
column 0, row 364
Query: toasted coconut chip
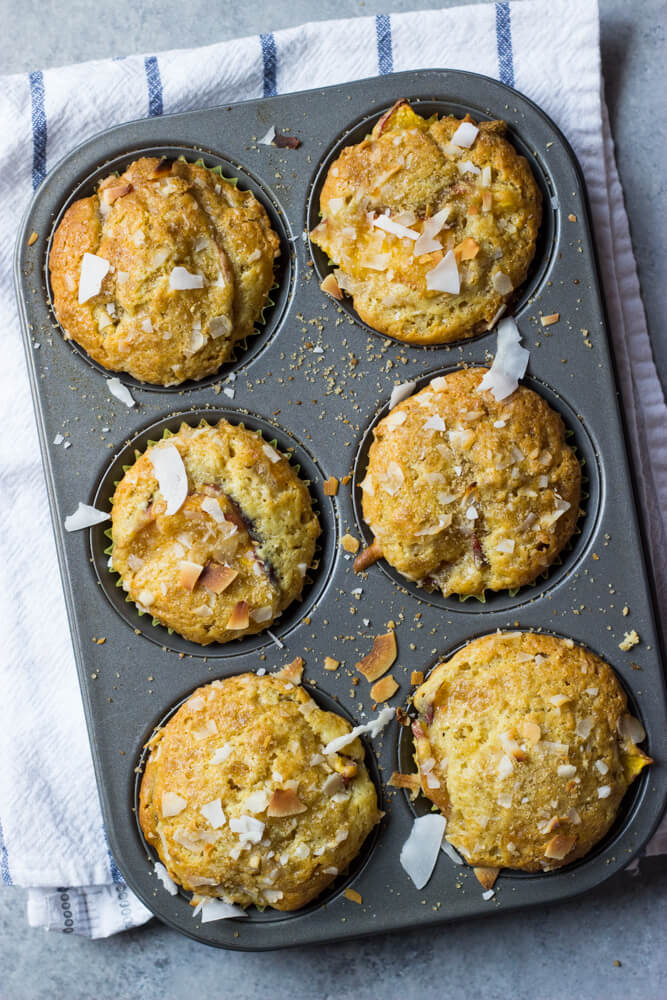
column 417, row 677
column 93, row 271
column 165, row 878
column 410, row 781
column 331, row 287
column 171, row 475
column 401, row 392
column 285, row 802
column 189, row 574
column 509, row 364
column 373, row 728
column 559, row 846
column 381, row 657
column 120, row 391
column 444, row 277
column 486, row 876
column 85, row 516
column 350, row 543
column 216, row 577
column 559, row 699
column 631, row 729
column 420, row 851
column 292, row 672
column 549, row 320
column 331, row 487
column 172, row 804
column 114, row 191
column 181, row 279
column 330, row 663
column 367, row 557
column 239, row 617
column 384, row 689
column 464, row 136
column 353, row 896
column 467, row 249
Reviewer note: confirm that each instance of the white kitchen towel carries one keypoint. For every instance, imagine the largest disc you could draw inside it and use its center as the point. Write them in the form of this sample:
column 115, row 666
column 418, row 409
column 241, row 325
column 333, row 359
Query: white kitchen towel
column 51, row 832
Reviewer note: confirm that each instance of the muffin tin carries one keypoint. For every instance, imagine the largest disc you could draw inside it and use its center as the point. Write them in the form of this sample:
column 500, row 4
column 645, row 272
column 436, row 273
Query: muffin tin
column 317, row 379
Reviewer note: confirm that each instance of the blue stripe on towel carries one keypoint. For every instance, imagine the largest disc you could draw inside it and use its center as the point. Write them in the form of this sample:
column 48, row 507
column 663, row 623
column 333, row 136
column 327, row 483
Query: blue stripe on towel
column 154, row 81
column 385, row 52
column 504, row 44
column 5, row 877
column 116, row 876
column 270, row 65
column 38, row 112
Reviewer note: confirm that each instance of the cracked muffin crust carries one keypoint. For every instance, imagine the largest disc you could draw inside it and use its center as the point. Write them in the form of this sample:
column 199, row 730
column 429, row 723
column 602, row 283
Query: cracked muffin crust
column 525, row 743
column 467, row 209
column 464, row 493
column 163, row 270
column 235, row 553
column 240, row 802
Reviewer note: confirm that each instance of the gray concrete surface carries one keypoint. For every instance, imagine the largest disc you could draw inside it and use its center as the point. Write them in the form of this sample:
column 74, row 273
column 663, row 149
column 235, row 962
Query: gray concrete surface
column 550, row 954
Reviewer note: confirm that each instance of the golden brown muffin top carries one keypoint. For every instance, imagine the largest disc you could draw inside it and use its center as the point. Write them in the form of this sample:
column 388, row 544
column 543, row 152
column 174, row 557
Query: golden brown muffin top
column 464, row 493
column 235, row 553
column 410, row 172
column 186, row 262
column 240, row 802
column 525, row 743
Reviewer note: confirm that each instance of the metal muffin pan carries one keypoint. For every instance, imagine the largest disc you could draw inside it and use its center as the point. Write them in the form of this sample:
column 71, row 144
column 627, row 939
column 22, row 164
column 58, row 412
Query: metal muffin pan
column 317, row 379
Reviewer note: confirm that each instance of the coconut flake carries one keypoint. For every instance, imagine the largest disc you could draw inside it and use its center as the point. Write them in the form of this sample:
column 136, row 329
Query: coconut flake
column 217, row 909
column 420, row 851
column 501, row 283
column 468, row 167
column 566, row 770
column 263, row 614
column 249, row 829
column 212, row 507
column 271, row 453
column 444, row 277
column 465, row 135
column 426, row 243
column 434, row 423
column 509, row 364
column 93, row 271
column 452, row 854
column 631, row 729
column 395, row 228
column 171, row 475
column 120, row 391
column 164, row 877
column 267, row 139
column 181, row 279
column 401, row 392
column 373, row 727
column 172, row 804
column 85, row 516
column 214, row 813
column 221, row 754
column 604, row 791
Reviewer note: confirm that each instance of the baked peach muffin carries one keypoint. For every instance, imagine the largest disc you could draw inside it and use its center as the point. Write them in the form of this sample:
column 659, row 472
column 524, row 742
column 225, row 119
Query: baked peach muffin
column 525, row 743
column 162, row 270
column 431, row 224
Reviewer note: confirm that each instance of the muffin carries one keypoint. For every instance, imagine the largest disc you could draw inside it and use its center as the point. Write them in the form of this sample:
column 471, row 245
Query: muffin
column 525, row 743
column 464, row 493
column 163, row 270
column 224, row 557
column 431, row 224
column 240, row 802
